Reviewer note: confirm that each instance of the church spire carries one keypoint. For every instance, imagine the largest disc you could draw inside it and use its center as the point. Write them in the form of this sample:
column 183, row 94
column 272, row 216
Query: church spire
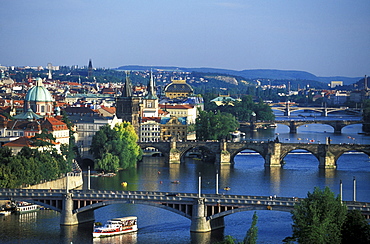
column 151, row 88
column 127, row 91
column 90, row 69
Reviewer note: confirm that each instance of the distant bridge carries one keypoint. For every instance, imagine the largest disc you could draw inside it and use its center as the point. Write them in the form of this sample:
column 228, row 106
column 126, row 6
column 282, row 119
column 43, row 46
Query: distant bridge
column 324, row 111
column 273, row 152
column 206, row 211
column 338, row 125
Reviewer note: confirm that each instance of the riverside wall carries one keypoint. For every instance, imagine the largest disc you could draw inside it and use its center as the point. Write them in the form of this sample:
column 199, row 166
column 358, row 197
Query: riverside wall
column 74, row 181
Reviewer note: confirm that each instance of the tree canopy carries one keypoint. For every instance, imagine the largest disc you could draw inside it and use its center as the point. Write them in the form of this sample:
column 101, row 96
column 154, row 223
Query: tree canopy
column 116, row 148
column 214, row 126
column 319, row 218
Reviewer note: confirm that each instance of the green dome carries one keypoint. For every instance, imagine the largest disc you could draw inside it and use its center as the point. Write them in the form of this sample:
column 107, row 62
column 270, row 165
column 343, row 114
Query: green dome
column 38, row 93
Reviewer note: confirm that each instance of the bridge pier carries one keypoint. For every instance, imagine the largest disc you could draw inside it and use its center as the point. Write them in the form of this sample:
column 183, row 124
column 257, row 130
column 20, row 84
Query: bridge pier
column 293, row 127
column 326, row 158
column 69, row 218
column 199, row 221
column 272, row 158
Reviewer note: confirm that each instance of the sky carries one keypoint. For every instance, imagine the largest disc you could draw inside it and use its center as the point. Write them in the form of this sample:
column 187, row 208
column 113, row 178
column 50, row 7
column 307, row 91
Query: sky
column 323, row 37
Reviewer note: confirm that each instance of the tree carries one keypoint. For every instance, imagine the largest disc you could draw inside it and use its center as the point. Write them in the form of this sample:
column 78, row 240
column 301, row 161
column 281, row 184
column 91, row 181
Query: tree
column 355, row 229
column 319, row 218
column 251, row 237
column 214, row 126
column 121, row 142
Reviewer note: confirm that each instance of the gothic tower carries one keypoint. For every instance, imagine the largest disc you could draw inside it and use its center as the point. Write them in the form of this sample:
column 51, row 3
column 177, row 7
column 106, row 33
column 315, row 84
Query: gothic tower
column 90, row 69
column 150, row 101
column 128, row 106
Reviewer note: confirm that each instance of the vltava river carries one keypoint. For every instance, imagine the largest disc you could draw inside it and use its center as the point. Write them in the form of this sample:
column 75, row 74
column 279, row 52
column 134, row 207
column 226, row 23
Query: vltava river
column 248, row 176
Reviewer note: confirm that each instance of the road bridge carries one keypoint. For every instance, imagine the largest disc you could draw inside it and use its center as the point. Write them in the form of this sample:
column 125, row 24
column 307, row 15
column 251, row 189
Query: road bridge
column 273, row 152
column 206, row 211
column 338, row 125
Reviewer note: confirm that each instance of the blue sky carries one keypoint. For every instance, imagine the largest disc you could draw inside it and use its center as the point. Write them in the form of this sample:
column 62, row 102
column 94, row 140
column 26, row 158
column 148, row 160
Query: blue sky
column 323, row 37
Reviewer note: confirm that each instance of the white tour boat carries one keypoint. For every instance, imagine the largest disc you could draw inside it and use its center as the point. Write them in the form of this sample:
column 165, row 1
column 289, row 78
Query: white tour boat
column 25, row 207
column 116, row 226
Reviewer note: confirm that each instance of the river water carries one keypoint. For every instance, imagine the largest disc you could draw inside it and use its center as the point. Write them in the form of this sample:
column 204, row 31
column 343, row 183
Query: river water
column 247, row 176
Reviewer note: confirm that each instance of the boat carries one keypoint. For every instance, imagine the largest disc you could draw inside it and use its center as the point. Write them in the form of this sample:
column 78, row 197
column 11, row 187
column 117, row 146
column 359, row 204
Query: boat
column 25, row 207
column 124, row 183
column 227, row 188
column 5, row 213
column 116, row 226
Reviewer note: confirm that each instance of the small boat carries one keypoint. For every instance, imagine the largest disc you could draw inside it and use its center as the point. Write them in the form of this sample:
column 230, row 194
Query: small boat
column 227, row 188
column 175, row 182
column 124, row 183
column 116, row 226
column 5, row 213
column 25, row 207
column 108, row 175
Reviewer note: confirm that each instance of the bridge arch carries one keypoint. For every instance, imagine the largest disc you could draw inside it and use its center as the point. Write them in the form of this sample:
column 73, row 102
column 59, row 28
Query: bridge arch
column 207, row 154
column 247, row 147
column 162, row 150
column 123, row 201
column 294, row 150
column 364, row 151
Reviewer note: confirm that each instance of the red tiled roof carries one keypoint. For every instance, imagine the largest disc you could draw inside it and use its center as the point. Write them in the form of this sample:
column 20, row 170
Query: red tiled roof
column 23, row 141
column 167, row 106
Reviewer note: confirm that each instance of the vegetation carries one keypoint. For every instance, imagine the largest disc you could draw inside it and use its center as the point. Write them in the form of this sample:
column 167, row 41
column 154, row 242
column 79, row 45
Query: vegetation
column 214, row 125
column 319, row 218
column 30, row 166
column 116, row 148
column 244, row 109
column 252, row 234
column 355, row 229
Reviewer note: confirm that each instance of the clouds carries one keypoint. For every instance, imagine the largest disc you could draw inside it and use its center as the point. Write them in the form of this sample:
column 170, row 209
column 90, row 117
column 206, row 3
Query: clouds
column 325, row 38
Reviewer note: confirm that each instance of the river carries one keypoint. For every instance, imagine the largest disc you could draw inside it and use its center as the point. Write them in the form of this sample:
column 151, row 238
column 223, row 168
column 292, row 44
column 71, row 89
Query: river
column 247, row 176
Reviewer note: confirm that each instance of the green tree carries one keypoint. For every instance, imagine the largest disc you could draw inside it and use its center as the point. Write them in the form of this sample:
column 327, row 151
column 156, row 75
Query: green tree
column 121, row 141
column 109, row 162
column 355, row 229
column 319, row 218
column 214, row 126
column 252, row 233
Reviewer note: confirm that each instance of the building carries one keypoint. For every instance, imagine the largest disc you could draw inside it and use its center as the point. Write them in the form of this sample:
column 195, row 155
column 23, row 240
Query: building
column 174, row 128
column 335, row 83
column 150, row 101
column 150, row 129
column 39, row 99
column 181, row 110
column 177, row 89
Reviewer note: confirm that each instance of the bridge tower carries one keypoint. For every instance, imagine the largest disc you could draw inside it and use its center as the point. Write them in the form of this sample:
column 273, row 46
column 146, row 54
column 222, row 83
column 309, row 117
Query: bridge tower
column 199, row 221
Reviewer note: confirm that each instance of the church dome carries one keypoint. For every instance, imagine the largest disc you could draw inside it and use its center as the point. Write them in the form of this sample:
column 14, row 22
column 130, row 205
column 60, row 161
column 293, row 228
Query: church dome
column 38, row 93
column 178, row 86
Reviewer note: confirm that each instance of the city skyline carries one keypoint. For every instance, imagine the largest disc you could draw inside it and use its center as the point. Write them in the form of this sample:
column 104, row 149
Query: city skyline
column 328, row 38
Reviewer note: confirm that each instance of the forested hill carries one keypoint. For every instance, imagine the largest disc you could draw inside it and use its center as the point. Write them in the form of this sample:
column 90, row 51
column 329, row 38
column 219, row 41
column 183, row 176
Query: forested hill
column 252, row 73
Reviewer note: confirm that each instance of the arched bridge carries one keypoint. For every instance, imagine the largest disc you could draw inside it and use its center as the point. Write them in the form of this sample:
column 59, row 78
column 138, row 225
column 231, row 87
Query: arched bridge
column 338, row 125
column 206, row 211
column 272, row 152
column 324, row 111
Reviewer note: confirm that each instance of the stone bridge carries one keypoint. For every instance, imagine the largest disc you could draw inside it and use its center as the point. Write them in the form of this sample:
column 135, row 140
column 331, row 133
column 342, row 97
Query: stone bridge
column 206, row 211
column 272, row 152
column 336, row 124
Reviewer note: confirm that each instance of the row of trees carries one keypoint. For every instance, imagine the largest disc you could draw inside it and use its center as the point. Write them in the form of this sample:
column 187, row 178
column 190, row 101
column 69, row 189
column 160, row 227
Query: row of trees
column 115, row 148
column 244, row 109
column 30, row 166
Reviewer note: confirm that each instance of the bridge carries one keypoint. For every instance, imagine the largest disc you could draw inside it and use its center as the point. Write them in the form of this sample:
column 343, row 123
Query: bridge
column 206, row 211
column 273, row 152
column 338, row 125
column 324, row 111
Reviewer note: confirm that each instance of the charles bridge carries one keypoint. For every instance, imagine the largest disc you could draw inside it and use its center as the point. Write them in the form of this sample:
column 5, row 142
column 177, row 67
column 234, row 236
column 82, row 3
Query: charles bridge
column 273, row 152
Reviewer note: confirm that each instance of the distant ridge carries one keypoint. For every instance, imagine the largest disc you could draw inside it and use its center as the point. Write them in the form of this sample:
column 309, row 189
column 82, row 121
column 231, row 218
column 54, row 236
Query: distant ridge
column 251, row 73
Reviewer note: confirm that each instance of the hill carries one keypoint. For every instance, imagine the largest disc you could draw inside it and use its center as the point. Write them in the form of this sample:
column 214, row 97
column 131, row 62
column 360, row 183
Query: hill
column 252, row 73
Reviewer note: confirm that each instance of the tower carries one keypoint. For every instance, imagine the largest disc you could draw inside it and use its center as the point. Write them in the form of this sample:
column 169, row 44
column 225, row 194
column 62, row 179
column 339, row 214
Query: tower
column 150, row 101
column 90, row 69
column 128, row 107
